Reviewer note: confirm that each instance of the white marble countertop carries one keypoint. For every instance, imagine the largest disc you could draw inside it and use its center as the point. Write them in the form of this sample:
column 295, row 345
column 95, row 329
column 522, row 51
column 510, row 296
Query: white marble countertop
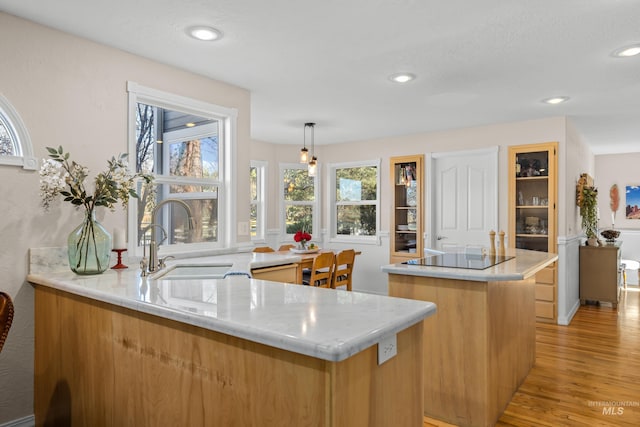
column 525, row 264
column 323, row 323
column 240, row 261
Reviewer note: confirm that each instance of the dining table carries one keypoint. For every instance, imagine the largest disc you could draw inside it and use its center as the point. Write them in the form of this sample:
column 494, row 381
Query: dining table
column 306, row 259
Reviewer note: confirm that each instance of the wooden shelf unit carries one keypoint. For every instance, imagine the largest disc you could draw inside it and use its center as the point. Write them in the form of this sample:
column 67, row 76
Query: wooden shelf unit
column 533, row 215
column 407, row 187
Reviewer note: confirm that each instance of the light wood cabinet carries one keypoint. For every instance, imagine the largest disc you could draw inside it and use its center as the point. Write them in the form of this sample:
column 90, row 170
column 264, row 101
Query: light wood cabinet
column 99, row 364
column 281, row 273
column 406, row 241
column 533, row 214
column 600, row 273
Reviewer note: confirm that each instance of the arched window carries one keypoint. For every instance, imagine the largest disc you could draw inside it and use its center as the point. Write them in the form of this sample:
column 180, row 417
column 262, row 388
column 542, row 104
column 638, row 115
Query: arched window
column 15, row 144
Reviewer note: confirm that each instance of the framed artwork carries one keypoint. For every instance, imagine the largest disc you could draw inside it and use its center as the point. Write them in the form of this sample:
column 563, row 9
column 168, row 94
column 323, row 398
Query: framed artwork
column 632, row 202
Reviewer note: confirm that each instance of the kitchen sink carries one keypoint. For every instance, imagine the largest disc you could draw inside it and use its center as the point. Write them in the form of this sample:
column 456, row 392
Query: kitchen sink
column 193, row 271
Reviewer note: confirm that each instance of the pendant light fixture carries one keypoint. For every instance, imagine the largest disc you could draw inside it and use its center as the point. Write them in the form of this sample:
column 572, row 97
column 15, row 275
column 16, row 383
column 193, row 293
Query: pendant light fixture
column 304, row 153
column 313, row 163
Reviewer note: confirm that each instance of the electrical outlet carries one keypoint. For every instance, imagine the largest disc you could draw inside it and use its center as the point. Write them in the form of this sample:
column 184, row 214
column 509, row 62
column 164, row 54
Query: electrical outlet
column 243, row 229
column 387, row 348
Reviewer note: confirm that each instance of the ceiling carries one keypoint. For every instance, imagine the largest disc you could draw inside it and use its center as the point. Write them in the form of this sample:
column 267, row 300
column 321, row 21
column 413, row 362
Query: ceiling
column 476, row 62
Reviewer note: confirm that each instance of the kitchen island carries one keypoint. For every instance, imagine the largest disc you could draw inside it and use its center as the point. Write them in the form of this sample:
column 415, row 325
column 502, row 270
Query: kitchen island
column 480, row 345
column 118, row 349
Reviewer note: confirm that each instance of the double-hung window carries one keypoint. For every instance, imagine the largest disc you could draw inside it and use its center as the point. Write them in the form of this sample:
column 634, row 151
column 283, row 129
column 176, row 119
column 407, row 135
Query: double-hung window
column 257, row 209
column 299, row 201
column 354, row 201
column 185, row 145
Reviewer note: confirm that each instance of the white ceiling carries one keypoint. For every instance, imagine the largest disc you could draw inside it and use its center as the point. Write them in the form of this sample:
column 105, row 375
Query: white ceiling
column 328, row 61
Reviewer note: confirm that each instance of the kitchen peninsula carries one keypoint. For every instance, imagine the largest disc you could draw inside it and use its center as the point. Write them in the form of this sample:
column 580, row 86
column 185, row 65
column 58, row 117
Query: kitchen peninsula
column 480, row 345
column 118, row 349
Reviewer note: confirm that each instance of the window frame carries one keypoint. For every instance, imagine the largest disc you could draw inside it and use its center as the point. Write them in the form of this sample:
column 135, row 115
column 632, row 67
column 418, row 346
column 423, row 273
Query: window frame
column 227, row 118
column 261, row 200
column 315, row 205
column 333, row 203
column 20, row 137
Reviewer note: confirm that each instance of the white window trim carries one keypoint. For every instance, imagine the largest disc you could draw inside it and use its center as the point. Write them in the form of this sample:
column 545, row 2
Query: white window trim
column 20, row 135
column 315, row 205
column 261, row 169
column 332, row 202
column 227, row 191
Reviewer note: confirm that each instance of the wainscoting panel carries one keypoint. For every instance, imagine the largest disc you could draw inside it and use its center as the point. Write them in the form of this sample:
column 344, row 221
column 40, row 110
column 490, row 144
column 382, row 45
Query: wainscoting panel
column 568, row 278
column 29, row 421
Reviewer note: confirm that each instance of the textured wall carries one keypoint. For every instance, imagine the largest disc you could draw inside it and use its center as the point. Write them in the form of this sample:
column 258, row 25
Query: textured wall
column 71, row 92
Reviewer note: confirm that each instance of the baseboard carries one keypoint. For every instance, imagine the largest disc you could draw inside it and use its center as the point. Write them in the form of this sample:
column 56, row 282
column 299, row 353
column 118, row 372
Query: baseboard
column 29, row 421
column 565, row 321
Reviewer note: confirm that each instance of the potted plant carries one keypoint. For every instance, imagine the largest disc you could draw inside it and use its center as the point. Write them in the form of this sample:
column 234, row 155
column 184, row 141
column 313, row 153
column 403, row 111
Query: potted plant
column 589, row 214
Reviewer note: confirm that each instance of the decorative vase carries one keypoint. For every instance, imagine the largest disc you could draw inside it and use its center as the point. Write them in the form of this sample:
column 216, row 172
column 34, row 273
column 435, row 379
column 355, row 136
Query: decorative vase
column 89, row 247
column 302, row 245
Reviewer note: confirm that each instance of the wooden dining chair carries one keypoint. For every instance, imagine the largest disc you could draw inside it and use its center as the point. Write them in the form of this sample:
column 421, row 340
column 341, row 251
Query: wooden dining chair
column 343, row 269
column 321, row 271
column 286, row 247
column 263, row 249
column 6, row 317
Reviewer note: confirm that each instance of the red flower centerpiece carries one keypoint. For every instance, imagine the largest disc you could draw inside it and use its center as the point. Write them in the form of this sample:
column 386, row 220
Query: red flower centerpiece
column 302, row 238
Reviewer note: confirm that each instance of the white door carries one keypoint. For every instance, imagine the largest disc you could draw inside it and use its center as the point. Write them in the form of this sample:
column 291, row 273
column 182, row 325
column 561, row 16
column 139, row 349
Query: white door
column 465, row 198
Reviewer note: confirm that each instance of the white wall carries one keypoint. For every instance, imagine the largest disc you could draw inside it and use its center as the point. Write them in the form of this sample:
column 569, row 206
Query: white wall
column 623, row 170
column 576, row 159
column 573, row 157
column 72, row 92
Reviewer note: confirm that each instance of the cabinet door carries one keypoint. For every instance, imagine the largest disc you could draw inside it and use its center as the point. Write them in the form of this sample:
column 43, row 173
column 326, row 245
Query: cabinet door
column 532, row 214
column 407, row 208
column 534, row 201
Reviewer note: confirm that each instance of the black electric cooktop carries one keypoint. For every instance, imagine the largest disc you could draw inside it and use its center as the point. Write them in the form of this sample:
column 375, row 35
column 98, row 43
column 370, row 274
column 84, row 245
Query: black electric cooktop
column 460, row 260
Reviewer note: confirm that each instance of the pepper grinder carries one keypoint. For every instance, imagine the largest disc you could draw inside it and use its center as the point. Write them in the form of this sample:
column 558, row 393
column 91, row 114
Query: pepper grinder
column 492, row 239
column 501, row 244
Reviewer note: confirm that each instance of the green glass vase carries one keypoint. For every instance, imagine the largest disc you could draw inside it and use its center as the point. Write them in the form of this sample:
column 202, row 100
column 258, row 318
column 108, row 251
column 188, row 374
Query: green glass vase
column 89, row 247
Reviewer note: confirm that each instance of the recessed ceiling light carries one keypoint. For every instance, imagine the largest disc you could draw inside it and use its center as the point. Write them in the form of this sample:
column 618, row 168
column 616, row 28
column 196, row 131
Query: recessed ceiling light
column 627, row 51
column 556, row 100
column 203, row 33
column 402, row 77
column 190, row 125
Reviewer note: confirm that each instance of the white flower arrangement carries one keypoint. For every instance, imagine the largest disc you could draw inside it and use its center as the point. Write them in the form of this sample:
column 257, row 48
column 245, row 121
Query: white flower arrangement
column 60, row 176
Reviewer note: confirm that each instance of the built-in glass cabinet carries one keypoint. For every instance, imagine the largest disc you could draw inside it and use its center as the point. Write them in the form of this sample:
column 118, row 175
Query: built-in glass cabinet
column 407, row 207
column 532, row 194
column 532, row 214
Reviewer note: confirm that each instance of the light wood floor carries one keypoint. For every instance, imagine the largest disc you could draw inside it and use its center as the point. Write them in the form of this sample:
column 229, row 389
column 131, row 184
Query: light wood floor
column 584, row 373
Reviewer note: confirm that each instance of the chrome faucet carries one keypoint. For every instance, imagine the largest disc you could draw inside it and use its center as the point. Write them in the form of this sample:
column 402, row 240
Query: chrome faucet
column 145, row 265
column 154, row 263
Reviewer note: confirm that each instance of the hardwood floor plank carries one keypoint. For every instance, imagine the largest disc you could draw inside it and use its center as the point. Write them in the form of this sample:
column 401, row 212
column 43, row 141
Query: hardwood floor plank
column 586, row 374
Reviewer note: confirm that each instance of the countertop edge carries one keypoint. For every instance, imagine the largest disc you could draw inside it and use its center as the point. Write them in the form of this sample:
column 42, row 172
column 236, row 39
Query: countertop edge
column 487, row 275
column 333, row 351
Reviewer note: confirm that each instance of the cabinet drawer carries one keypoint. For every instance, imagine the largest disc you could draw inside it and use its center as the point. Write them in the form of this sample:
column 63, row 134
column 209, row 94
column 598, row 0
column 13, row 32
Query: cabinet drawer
column 545, row 293
column 282, row 273
column 547, row 275
column 545, row 309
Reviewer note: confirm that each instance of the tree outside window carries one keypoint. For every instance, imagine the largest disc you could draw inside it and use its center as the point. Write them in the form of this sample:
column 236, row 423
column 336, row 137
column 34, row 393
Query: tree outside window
column 257, row 208
column 299, row 199
column 183, row 152
column 355, row 199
